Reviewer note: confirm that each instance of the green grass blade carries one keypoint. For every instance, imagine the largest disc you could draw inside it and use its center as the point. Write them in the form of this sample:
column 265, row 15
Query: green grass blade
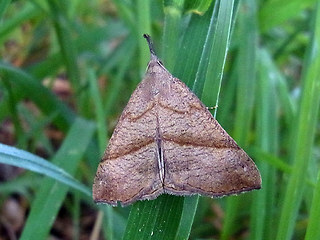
column 3, row 7
column 187, row 69
column 246, row 71
column 264, row 200
column 143, row 27
column 20, row 185
column 270, row 158
column 116, row 57
column 218, row 54
column 63, row 30
column 313, row 230
column 100, row 116
column 198, row 82
column 276, row 12
column 160, row 223
column 51, row 193
column 305, row 130
column 20, row 158
column 187, row 217
column 117, row 81
column 12, row 109
column 25, row 85
column 172, row 13
column 28, row 12
column 197, row 6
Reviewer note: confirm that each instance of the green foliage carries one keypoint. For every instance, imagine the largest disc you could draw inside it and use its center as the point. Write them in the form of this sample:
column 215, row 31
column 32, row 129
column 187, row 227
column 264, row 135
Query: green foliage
column 258, row 61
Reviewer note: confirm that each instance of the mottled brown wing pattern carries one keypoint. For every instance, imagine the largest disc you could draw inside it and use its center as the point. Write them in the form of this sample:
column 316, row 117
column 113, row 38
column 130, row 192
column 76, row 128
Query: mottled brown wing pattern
column 128, row 170
column 166, row 141
column 199, row 156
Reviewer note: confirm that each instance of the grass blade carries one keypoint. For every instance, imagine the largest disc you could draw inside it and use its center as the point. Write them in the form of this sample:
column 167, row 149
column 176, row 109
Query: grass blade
column 20, row 158
column 28, row 12
column 160, row 223
column 51, row 193
column 100, row 116
column 218, row 54
column 245, row 95
column 264, row 200
column 172, row 12
column 143, row 26
column 3, row 7
column 27, row 86
column 283, row 10
column 63, row 30
column 303, row 139
column 313, row 230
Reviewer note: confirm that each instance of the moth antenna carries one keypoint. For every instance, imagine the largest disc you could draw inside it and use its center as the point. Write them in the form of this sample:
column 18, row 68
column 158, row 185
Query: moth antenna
column 151, row 48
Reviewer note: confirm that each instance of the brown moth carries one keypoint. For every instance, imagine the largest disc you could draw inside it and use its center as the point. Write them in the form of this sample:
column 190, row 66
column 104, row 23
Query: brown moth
column 166, row 141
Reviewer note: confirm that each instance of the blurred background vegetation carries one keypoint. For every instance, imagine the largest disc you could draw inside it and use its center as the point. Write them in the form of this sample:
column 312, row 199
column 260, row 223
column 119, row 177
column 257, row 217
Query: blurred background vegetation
column 68, row 68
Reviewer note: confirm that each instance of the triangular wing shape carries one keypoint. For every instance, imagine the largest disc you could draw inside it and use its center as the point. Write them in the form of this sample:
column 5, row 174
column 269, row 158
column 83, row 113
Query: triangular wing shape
column 167, row 141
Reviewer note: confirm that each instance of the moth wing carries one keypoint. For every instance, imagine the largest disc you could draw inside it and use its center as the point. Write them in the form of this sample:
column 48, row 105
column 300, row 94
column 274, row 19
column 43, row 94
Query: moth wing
column 199, row 155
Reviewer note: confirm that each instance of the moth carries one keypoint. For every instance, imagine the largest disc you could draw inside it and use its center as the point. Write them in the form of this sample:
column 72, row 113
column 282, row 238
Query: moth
column 166, row 141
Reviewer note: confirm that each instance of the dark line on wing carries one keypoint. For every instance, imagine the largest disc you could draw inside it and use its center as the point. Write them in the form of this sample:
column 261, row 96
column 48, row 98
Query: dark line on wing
column 129, row 114
column 181, row 143
column 182, row 111
column 132, row 150
column 194, row 144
